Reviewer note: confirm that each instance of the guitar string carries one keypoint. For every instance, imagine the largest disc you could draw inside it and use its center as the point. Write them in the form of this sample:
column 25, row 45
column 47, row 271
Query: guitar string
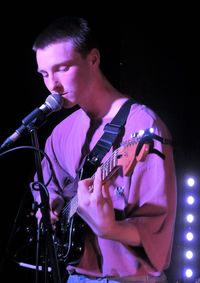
column 72, row 205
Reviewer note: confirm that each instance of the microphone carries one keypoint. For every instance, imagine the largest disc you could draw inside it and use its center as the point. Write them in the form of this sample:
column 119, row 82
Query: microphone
column 53, row 103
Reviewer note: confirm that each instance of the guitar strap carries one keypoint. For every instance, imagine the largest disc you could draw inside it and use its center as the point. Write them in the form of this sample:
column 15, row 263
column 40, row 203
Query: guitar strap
column 111, row 132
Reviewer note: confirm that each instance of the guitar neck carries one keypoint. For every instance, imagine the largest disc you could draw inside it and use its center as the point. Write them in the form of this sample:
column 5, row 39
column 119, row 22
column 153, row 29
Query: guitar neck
column 72, row 206
column 106, row 169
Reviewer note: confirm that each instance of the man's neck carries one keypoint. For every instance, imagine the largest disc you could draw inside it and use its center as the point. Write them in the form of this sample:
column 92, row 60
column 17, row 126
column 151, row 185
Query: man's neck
column 105, row 102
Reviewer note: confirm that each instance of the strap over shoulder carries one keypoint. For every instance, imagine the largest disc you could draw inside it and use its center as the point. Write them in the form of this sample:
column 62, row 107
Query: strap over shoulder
column 111, row 132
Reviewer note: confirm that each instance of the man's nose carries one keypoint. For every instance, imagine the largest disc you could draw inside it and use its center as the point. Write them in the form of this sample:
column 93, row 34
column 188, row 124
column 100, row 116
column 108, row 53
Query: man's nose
column 54, row 85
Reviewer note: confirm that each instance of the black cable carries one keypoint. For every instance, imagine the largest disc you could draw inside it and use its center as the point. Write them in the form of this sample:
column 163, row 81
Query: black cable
column 35, row 149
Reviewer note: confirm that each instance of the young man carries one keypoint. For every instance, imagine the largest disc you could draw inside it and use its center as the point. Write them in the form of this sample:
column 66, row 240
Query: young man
column 130, row 218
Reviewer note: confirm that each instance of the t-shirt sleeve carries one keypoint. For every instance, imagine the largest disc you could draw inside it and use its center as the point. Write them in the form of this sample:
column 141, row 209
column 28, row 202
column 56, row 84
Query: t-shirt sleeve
column 154, row 196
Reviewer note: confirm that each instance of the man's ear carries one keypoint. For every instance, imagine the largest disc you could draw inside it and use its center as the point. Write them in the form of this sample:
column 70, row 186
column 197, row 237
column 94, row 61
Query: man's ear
column 94, row 56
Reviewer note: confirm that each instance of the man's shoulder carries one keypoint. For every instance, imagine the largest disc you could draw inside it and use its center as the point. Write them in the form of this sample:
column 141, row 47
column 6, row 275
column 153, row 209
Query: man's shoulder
column 139, row 109
column 142, row 116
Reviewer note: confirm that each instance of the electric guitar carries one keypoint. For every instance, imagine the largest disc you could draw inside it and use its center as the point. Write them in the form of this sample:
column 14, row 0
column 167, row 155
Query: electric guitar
column 69, row 231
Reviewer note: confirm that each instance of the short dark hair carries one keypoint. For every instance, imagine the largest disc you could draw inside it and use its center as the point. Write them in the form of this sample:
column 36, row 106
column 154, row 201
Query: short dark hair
column 67, row 28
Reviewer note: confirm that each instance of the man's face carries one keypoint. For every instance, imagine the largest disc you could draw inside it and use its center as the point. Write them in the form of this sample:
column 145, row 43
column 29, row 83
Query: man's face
column 65, row 71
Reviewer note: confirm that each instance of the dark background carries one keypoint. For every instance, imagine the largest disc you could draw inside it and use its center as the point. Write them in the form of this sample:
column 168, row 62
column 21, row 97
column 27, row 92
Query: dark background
column 152, row 56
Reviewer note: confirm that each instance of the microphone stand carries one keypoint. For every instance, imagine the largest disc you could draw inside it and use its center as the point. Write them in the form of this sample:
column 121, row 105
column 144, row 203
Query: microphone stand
column 44, row 207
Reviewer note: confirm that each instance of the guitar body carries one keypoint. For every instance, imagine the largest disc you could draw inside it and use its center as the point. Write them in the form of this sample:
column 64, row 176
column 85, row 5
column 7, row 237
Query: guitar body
column 69, row 239
column 70, row 230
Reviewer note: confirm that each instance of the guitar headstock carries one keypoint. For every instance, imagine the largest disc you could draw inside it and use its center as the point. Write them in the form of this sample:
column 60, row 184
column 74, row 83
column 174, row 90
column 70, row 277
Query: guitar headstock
column 134, row 150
